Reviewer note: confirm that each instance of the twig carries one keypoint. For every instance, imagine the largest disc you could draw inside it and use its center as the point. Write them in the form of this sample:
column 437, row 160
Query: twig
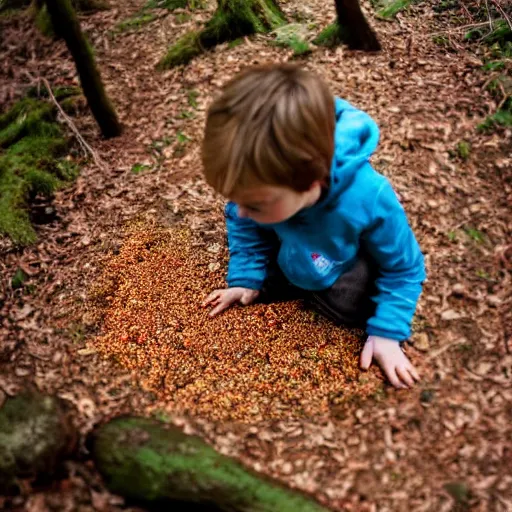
column 503, row 13
column 488, row 14
column 458, row 29
column 446, row 347
column 83, row 144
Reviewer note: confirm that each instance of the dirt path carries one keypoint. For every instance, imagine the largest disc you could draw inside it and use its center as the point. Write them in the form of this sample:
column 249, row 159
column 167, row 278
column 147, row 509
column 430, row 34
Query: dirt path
column 444, row 446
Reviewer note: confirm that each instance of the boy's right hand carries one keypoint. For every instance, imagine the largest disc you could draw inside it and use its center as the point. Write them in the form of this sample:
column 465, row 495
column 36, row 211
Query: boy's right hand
column 222, row 299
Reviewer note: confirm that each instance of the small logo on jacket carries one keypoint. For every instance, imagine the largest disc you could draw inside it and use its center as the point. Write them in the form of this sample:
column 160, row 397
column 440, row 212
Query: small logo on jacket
column 320, row 262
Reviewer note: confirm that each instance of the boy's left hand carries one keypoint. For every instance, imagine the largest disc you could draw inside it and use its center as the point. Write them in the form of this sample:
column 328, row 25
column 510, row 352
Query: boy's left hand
column 391, row 358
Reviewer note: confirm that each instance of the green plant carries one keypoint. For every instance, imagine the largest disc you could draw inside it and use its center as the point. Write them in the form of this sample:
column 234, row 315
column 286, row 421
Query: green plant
column 463, row 149
column 494, row 65
column 483, row 274
column 182, row 17
column 502, row 118
column 186, row 114
column 18, row 279
column 393, row 8
column 475, row 235
column 182, row 138
column 192, row 96
column 138, row 168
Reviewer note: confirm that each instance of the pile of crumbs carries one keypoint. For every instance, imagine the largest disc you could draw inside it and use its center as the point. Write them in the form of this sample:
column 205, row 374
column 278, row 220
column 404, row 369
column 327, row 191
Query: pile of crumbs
column 249, row 363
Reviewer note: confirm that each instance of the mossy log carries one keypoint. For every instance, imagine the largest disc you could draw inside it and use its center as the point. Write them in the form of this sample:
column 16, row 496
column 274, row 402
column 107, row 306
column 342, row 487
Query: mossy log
column 232, row 19
column 350, row 27
column 157, row 464
column 66, row 24
column 35, row 437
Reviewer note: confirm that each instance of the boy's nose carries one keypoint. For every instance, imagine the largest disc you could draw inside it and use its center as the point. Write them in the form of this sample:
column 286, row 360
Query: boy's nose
column 242, row 212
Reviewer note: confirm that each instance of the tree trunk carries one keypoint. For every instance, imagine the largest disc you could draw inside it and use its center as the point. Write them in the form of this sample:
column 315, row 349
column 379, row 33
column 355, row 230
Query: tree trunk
column 35, row 436
column 66, row 24
column 360, row 35
column 231, row 20
column 157, row 464
column 350, row 27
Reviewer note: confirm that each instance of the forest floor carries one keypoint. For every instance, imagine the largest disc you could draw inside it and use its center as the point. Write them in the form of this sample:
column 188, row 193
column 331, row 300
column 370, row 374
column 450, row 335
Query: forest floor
column 444, row 445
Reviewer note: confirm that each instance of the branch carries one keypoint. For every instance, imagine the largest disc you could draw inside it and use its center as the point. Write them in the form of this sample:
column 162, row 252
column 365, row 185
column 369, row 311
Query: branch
column 83, row 144
column 503, row 13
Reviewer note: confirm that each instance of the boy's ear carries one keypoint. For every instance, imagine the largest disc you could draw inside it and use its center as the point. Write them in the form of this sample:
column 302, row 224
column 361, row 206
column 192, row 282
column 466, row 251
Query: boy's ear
column 317, row 183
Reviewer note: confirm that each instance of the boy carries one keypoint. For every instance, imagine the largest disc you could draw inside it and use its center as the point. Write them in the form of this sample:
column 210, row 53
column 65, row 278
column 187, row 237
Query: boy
column 293, row 163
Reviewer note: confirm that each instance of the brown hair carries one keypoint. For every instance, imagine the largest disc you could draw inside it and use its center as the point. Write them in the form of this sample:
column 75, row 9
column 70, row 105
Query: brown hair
column 272, row 125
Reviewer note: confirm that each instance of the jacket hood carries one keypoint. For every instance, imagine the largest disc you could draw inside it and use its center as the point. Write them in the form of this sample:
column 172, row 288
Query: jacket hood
column 356, row 136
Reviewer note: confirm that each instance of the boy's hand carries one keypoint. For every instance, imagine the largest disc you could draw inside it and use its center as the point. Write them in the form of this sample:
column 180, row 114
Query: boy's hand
column 391, row 358
column 222, row 299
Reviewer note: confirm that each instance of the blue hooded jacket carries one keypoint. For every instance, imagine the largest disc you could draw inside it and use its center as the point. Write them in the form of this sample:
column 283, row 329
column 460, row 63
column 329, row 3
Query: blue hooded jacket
column 320, row 243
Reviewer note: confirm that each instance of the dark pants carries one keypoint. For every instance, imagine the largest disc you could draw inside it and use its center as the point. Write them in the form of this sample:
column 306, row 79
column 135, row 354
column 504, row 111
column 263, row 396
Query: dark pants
column 347, row 302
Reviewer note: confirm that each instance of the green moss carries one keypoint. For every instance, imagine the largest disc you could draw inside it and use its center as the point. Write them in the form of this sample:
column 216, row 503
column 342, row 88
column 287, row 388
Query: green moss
column 170, row 5
column 44, row 23
column 331, row 36
column 232, row 19
column 30, row 164
column 143, row 459
column 393, row 8
column 294, row 36
column 136, row 22
column 182, row 52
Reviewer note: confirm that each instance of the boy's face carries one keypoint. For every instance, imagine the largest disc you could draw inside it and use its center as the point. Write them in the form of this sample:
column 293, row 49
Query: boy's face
column 268, row 204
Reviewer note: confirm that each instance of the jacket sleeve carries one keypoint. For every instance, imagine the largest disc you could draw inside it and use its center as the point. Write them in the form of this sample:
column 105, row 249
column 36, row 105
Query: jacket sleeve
column 250, row 249
column 392, row 244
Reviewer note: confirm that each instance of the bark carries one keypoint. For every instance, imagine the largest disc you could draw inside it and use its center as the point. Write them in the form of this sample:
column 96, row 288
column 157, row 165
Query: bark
column 359, row 34
column 35, row 436
column 231, row 20
column 157, row 464
column 66, row 24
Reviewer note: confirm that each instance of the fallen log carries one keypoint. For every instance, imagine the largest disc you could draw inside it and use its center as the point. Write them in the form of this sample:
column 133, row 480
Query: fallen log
column 156, row 463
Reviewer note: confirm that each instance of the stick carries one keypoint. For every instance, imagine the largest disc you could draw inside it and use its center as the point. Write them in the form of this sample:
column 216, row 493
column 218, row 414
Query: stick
column 439, row 351
column 458, row 29
column 83, row 144
column 488, row 14
column 503, row 13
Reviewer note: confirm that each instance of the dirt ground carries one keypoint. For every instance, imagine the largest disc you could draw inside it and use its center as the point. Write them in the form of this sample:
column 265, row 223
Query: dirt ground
column 445, row 445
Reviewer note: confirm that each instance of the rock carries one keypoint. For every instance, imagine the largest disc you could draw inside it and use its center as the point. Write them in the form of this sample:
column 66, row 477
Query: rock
column 156, row 463
column 450, row 314
column 459, row 491
column 35, row 436
column 421, row 341
column 426, row 396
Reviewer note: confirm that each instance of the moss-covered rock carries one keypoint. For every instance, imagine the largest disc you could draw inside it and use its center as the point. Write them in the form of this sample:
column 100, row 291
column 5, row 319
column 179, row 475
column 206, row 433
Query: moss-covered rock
column 232, row 19
column 35, row 436
column 32, row 147
column 156, row 463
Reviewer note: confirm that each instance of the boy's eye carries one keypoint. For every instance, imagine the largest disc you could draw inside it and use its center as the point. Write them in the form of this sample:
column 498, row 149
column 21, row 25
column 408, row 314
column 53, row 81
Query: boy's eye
column 253, row 208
